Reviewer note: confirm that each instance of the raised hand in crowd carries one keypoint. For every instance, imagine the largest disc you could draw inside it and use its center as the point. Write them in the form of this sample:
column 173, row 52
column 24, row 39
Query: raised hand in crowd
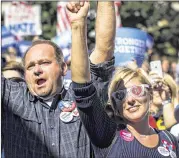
column 165, row 97
column 101, row 58
column 40, row 118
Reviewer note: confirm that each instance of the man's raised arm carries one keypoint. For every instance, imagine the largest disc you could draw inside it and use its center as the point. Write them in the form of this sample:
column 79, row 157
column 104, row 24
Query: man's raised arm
column 77, row 12
column 105, row 32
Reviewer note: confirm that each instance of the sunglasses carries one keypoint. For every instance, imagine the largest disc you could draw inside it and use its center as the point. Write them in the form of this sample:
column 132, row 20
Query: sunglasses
column 134, row 91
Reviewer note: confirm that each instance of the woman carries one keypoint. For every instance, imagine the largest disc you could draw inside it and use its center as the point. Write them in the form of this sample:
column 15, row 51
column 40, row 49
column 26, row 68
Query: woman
column 130, row 95
column 164, row 89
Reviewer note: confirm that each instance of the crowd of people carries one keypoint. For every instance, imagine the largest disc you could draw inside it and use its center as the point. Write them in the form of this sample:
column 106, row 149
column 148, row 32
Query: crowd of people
column 106, row 111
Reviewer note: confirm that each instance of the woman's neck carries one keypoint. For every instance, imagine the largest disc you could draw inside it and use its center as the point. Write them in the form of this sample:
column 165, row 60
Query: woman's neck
column 142, row 127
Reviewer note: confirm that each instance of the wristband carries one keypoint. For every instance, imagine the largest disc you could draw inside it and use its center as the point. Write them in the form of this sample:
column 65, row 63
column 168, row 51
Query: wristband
column 166, row 102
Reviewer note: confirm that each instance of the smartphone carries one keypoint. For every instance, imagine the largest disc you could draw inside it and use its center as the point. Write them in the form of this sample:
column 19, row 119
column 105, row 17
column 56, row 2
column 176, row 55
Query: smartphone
column 156, row 67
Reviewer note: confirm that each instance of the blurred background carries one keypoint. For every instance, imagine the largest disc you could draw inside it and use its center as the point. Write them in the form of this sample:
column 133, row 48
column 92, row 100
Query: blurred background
column 23, row 22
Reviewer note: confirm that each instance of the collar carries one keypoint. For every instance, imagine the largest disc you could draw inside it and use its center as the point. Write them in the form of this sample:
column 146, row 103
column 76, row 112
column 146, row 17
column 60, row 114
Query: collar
column 57, row 98
column 61, row 95
column 32, row 98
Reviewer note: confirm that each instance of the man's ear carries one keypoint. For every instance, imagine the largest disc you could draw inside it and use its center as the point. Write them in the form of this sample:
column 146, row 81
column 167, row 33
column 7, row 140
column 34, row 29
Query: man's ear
column 64, row 69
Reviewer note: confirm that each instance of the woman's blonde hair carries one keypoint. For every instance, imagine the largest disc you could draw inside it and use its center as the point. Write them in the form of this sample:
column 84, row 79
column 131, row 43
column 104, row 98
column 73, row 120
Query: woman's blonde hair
column 123, row 75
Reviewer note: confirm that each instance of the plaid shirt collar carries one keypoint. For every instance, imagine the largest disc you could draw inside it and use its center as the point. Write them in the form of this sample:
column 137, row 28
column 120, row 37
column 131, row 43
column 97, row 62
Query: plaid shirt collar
column 61, row 95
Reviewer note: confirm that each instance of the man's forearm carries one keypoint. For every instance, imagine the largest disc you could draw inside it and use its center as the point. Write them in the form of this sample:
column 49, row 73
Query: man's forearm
column 105, row 32
column 79, row 60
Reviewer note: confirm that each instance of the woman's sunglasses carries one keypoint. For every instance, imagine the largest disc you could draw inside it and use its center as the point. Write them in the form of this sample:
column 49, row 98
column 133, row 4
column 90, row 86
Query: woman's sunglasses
column 134, row 91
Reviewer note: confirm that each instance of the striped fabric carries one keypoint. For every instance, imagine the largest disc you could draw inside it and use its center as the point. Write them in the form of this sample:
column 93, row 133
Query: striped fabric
column 118, row 17
column 63, row 23
column 32, row 129
column 107, row 140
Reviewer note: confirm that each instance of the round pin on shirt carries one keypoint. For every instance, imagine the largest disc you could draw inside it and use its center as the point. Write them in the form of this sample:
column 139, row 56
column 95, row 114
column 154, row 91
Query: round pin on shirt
column 127, row 136
column 66, row 116
column 75, row 112
column 163, row 151
column 173, row 154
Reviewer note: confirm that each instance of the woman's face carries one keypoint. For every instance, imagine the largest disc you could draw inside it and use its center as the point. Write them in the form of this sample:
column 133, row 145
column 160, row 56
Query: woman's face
column 135, row 105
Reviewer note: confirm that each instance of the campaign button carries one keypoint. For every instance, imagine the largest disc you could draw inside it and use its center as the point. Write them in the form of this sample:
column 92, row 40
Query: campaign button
column 75, row 112
column 127, row 136
column 67, row 104
column 66, row 116
column 163, row 151
column 69, row 108
column 173, row 154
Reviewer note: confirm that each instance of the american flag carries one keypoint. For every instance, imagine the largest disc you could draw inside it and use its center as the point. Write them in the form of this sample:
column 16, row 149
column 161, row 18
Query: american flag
column 63, row 23
column 118, row 17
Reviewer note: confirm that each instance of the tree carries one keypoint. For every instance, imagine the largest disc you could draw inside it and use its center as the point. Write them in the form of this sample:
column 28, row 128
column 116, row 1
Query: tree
column 160, row 19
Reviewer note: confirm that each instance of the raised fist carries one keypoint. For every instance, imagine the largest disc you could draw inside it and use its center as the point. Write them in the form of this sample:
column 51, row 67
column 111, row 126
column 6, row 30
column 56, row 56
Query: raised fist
column 77, row 10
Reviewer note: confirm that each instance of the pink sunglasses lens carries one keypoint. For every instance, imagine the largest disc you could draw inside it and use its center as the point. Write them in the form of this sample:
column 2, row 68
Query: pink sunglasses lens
column 137, row 90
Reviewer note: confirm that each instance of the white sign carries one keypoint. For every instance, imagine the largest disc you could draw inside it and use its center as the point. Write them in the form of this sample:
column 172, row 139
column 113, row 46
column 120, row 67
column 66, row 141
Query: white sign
column 22, row 19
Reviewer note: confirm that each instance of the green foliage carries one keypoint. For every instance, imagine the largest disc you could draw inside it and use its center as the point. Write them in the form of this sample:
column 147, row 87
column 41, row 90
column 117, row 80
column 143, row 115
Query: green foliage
column 157, row 18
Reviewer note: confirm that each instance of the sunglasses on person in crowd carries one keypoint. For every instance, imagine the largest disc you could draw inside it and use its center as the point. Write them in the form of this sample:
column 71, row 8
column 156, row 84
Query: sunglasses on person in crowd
column 136, row 91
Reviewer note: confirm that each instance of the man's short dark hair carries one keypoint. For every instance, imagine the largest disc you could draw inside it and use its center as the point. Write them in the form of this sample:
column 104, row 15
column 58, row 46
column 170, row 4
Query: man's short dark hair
column 58, row 51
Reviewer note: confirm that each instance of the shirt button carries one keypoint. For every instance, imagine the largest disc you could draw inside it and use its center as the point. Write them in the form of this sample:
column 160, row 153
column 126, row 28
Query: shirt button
column 53, row 144
column 52, row 127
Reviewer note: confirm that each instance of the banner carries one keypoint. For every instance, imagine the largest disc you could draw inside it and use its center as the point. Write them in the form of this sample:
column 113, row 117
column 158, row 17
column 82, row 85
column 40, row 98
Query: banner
column 22, row 19
column 130, row 45
column 23, row 46
column 7, row 39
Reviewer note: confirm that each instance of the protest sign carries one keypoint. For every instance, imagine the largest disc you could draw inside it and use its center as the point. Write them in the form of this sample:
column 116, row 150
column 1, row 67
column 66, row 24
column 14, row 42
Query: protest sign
column 23, row 19
column 130, row 45
column 23, row 46
column 7, row 39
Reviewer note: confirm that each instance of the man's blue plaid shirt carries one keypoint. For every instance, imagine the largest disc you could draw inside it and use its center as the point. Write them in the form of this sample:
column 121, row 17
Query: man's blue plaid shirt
column 32, row 129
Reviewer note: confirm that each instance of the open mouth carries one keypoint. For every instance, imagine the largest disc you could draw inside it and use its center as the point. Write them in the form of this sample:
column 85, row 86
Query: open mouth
column 40, row 81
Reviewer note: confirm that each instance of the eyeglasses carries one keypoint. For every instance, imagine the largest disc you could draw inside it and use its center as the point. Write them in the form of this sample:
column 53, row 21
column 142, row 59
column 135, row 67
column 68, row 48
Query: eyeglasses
column 135, row 91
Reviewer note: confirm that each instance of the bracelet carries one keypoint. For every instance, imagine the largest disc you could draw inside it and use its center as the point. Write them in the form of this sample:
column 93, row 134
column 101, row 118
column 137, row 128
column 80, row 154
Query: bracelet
column 166, row 102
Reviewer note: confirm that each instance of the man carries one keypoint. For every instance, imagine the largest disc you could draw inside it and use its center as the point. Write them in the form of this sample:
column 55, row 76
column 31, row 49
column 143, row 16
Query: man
column 39, row 118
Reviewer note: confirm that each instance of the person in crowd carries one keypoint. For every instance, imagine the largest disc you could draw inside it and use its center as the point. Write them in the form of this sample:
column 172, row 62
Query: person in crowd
column 11, row 55
column 130, row 96
column 164, row 89
column 173, row 72
column 166, row 65
column 13, row 69
column 39, row 116
column 15, row 72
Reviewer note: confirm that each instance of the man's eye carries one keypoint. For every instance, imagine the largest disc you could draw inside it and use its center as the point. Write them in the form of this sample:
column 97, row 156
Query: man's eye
column 45, row 63
column 30, row 67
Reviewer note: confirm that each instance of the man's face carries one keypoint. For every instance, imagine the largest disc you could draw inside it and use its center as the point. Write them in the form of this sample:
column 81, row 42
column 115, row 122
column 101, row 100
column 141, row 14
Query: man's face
column 42, row 72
